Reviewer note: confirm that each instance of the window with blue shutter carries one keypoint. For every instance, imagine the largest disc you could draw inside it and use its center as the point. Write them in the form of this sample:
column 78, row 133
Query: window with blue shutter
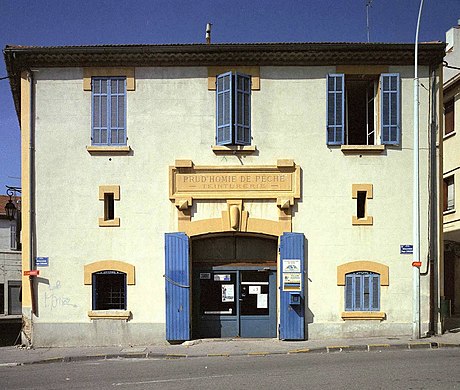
column 362, row 291
column 108, row 111
column 233, row 104
column 390, row 111
column 354, row 116
column 335, row 109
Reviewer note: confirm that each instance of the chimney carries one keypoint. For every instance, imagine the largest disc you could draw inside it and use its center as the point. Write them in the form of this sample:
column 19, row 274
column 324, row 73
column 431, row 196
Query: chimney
column 208, row 33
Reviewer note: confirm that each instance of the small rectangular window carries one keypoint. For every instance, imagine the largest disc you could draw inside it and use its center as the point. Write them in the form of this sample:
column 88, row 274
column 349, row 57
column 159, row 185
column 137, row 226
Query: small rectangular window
column 449, row 194
column 13, row 236
column 14, row 298
column 449, row 117
column 109, row 206
column 361, row 204
column 109, row 290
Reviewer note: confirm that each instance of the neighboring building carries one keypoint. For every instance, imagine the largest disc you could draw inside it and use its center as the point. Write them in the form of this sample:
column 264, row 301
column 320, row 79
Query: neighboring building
column 285, row 170
column 451, row 169
column 10, row 275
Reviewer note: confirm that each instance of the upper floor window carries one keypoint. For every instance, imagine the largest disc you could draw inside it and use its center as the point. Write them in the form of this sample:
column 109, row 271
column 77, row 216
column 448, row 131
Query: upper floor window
column 108, row 111
column 362, row 291
column 233, row 102
column 363, row 109
column 449, row 194
column 449, row 120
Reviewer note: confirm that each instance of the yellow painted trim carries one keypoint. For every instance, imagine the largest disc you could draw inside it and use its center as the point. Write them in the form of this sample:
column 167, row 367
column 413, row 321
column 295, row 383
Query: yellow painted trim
column 109, row 222
column 232, row 149
column 101, row 72
column 363, row 315
column 108, row 149
column 183, row 163
column 109, row 189
column 361, row 149
column 355, row 221
column 363, row 265
column 362, row 69
column 25, row 196
column 109, row 314
column 362, row 187
column 253, row 71
column 114, row 265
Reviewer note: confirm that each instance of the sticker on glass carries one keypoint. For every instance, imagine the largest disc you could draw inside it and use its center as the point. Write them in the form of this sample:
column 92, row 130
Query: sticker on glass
column 228, row 293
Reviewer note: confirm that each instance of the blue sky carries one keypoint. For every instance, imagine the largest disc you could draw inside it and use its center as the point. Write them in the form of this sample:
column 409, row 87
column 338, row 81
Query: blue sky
column 86, row 22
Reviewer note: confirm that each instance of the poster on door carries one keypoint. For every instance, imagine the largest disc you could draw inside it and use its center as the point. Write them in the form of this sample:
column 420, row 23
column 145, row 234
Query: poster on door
column 228, row 293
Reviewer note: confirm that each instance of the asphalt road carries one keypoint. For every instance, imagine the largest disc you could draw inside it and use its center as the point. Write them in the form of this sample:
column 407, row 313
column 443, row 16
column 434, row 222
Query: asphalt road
column 402, row 369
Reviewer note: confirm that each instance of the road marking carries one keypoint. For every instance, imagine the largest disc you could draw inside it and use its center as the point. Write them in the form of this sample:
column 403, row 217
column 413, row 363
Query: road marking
column 170, row 380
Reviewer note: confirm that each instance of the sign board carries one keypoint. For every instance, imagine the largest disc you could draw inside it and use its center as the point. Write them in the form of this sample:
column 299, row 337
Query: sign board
column 42, row 261
column 33, row 272
column 292, row 281
column 291, row 265
column 406, row 249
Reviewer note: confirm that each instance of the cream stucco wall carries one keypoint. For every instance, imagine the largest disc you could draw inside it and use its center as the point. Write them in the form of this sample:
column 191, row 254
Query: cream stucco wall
column 171, row 115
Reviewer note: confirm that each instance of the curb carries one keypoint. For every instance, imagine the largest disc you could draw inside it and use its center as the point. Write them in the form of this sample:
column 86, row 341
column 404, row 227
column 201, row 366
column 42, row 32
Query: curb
column 176, row 356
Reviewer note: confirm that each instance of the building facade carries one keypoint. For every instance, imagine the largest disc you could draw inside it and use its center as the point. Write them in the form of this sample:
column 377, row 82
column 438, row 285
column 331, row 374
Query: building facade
column 252, row 190
column 451, row 144
column 10, row 275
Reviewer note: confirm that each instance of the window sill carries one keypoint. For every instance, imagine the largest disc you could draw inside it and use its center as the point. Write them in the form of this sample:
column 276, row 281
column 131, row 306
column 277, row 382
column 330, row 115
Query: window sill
column 447, row 212
column 123, row 315
column 355, row 221
column 352, row 149
column 234, row 149
column 449, row 135
column 110, row 222
column 108, row 149
column 363, row 315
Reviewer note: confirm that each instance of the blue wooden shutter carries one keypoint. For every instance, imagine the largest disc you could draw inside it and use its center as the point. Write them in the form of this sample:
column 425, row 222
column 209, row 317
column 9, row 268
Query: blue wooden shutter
column 100, row 111
column 349, row 292
column 108, row 111
column 117, row 110
column 375, row 292
column 224, row 108
column 390, row 109
column 243, row 109
column 292, row 318
column 335, row 107
column 177, row 284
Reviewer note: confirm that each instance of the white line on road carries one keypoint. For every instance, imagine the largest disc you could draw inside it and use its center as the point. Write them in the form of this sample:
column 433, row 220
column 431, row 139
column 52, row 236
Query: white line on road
column 169, row 380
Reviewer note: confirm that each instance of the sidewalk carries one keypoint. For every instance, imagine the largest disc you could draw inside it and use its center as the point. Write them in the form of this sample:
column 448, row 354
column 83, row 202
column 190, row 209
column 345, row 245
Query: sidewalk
column 14, row 356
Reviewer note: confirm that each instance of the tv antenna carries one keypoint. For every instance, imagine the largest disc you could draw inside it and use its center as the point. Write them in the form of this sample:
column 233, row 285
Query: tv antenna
column 368, row 5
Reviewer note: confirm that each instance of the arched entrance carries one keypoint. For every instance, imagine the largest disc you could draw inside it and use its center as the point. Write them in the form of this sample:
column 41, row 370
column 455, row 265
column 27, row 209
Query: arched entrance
column 234, row 285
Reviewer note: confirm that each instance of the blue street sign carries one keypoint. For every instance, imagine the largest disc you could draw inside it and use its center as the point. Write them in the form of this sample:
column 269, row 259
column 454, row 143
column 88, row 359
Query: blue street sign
column 42, row 261
column 406, row 249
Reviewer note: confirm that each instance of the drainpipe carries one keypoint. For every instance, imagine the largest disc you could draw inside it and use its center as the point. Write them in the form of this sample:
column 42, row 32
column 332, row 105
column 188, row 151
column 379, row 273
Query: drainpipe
column 31, row 191
column 416, row 196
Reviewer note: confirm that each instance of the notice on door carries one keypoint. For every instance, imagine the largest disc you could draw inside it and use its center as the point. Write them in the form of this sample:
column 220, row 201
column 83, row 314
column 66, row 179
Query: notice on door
column 228, row 293
column 262, row 301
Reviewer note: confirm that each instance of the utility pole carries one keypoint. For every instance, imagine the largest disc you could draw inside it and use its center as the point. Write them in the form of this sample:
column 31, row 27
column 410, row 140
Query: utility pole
column 416, row 197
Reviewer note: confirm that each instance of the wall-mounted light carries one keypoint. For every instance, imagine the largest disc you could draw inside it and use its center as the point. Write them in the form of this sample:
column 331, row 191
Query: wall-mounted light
column 10, row 208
